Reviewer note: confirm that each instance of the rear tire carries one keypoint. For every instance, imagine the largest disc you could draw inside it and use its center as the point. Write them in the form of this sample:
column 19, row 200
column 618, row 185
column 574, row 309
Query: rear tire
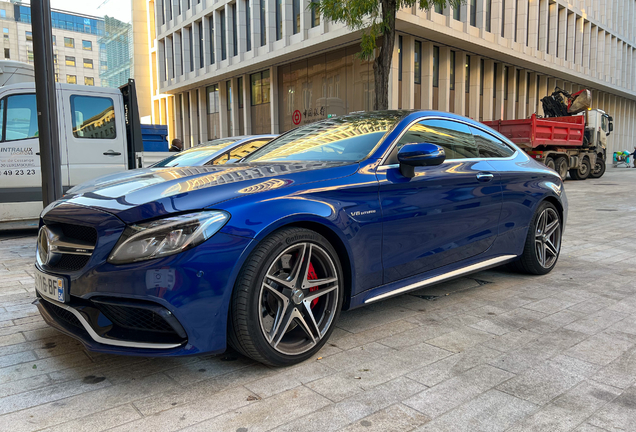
column 287, row 298
column 583, row 171
column 561, row 166
column 549, row 162
column 599, row 168
column 543, row 242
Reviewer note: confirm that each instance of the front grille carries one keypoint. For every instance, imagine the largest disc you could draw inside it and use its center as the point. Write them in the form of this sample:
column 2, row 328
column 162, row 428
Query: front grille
column 136, row 318
column 71, row 262
column 79, row 232
column 62, row 314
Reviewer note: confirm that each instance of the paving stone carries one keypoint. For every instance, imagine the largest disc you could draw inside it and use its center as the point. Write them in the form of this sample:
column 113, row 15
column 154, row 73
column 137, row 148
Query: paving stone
column 619, row 414
column 461, row 339
column 457, row 390
column 492, row 411
column 96, row 422
column 396, row 418
column 600, row 349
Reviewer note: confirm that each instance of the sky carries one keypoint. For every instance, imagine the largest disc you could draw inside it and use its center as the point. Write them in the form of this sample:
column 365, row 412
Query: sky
column 119, row 9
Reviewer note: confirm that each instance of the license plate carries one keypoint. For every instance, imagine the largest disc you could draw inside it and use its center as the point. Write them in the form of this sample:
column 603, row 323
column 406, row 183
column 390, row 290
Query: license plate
column 49, row 286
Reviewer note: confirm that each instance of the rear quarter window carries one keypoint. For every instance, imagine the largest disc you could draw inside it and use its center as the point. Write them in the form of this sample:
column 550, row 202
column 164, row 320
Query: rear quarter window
column 489, row 146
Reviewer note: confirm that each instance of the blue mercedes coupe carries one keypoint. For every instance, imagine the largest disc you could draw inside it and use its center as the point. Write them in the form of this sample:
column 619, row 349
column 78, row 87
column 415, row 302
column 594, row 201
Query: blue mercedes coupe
column 265, row 253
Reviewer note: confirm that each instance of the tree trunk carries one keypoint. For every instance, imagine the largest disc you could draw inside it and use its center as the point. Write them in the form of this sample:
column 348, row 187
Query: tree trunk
column 382, row 63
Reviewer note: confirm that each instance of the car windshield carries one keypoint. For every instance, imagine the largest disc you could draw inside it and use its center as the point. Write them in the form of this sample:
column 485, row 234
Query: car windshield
column 346, row 139
column 196, row 156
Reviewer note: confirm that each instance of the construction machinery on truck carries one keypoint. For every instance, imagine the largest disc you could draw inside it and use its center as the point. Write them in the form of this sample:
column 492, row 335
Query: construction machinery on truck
column 570, row 138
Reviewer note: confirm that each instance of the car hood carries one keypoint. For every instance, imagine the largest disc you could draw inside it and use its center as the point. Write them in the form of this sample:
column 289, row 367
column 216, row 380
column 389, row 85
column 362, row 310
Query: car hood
column 148, row 193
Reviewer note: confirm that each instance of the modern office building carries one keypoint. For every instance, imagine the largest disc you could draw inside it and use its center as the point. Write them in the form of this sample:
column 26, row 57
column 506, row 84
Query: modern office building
column 75, row 43
column 228, row 67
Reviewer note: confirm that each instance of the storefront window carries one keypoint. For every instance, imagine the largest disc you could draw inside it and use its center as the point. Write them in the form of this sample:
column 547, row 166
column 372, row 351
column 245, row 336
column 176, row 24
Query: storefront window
column 260, row 87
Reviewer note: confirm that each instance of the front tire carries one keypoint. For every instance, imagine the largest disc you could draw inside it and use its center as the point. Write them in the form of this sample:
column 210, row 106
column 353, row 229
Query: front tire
column 287, row 298
column 543, row 243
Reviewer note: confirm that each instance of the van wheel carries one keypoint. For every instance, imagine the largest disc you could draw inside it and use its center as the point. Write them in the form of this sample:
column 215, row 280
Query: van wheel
column 549, row 162
column 287, row 298
column 562, row 167
column 599, row 168
column 583, row 171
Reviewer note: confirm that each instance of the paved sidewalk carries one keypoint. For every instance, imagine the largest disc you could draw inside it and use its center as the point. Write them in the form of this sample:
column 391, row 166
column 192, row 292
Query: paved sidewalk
column 500, row 352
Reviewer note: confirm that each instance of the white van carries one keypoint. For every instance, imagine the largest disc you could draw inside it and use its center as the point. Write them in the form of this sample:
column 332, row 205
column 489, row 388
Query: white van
column 95, row 139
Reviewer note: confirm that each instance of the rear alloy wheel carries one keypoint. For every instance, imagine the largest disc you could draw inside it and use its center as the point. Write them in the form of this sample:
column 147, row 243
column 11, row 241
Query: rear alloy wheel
column 599, row 168
column 583, row 171
column 543, row 243
column 287, row 298
column 549, row 162
column 561, row 166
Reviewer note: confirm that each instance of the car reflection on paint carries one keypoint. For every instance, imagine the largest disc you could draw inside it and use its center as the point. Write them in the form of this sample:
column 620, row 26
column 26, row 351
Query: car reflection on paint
column 264, row 254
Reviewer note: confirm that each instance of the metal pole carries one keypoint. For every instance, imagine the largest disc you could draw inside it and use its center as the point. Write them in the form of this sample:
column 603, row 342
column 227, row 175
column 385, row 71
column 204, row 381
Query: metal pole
column 46, row 101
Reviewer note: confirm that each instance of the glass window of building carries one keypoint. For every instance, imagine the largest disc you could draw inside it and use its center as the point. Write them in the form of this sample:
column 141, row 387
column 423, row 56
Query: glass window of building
column 29, row 35
column 473, row 13
column 69, row 42
column 315, row 16
column 467, row 83
column 21, row 117
column 71, row 79
column 213, row 98
column 228, row 89
column 279, row 19
column 489, row 15
column 93, row 117
column 88, row 63
column 103, row 65
column 239, row 91
column 223, row 36
column 248, row 25
column 191, row 47
column 30, row 57
column 70, row 61
column 439, row 9
column 234, row 31
column 211, row 25
column 263, row 24
column 505, row 80
column 54, row 41
column 417, row 62
column 435, row 66
column 7, row 53
column 452, row 70
column 3, row 13
column 57, row 77
column 260, row 87
column 456, row 12
column 200, row 36
column 87, row 45
column 5, row 30
column 90, row 81
column 296, row 16
column 54, row 58
column 399, row 58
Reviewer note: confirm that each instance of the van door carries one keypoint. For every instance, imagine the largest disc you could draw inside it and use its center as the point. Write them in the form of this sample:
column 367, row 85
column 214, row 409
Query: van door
column 20, row 174
column 95, row 139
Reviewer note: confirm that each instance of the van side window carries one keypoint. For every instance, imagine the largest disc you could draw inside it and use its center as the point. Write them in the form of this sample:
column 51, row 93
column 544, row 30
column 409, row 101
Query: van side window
column 490, row 146
column 22, row 117
column 93, row 117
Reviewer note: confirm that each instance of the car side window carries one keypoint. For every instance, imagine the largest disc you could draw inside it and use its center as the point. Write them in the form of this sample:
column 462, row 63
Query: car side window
column 454, row 137
column 93, row 117
column 22, row 117
column 490, row 146
column 244, row 149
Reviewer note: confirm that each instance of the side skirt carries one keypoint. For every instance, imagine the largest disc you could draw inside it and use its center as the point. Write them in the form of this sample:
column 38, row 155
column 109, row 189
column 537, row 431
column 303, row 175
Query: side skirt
column 402, row 287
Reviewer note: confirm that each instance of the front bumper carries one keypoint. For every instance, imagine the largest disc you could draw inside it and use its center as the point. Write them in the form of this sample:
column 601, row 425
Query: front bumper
column 173, row 306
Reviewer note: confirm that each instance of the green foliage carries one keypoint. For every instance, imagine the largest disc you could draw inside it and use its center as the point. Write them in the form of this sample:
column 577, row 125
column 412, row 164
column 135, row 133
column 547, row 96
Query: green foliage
column 368, row 16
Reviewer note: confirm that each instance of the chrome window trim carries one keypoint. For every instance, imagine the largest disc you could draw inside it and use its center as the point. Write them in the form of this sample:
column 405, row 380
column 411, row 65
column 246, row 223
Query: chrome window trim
column 439, row 278
column 399, row 137
column 105, row 341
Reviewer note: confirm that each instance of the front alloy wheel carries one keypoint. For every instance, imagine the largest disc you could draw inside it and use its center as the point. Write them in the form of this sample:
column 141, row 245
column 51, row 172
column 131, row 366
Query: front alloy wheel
column 287, row 298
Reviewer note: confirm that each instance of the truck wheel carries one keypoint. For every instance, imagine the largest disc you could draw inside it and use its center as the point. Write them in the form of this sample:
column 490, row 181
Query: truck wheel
column 562, row 167
column 543, row 243
column 549, row 162
column 599, row 168
column 583, row 170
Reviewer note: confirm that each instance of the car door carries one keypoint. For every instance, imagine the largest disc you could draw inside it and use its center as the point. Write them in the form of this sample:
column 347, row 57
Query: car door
column 446, row 213
column 96, row 145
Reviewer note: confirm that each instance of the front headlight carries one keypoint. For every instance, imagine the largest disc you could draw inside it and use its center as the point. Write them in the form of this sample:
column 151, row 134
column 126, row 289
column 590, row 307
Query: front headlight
column 167, row 236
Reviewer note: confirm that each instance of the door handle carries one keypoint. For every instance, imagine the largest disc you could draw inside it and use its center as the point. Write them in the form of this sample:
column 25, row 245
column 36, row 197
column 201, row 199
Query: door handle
column 112, row 153
column 484, row 176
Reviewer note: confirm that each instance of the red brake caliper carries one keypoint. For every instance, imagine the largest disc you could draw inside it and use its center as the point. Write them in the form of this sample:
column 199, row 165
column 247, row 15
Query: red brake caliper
column 311, row 275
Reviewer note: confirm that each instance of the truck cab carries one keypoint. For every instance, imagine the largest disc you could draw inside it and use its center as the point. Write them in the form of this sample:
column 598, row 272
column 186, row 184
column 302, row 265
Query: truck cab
column 92, row 135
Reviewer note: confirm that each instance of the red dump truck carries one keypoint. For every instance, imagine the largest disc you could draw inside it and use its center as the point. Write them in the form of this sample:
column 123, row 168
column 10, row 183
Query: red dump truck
column 574, row 144
column 564, row 142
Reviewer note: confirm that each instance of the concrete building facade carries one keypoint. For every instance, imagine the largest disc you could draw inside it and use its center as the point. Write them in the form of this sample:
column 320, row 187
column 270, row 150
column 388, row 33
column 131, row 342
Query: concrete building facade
column 229, row 67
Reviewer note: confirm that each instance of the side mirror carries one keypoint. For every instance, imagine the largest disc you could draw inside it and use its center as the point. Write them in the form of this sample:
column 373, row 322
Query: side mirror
column 611, row 126
column 419, row 154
